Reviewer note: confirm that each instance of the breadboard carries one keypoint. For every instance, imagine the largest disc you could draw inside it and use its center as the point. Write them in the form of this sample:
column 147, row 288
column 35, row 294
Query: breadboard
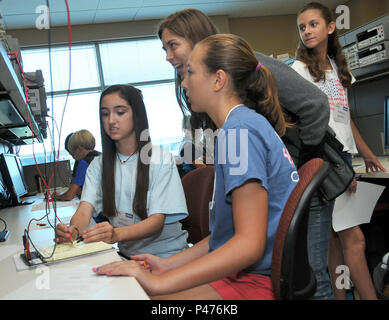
column 68, row 250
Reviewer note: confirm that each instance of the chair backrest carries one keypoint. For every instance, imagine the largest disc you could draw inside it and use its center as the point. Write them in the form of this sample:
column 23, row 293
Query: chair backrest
column 198, row 188
column 292, row 276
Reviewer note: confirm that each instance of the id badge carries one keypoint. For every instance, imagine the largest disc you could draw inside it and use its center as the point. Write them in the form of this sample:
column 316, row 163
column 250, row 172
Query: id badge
column 125, row 218
column 341, row 114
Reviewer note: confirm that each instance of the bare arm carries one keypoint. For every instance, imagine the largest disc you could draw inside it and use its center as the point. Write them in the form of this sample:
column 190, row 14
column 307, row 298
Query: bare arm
column 70, row 193
column 161, row 265
column 105, row 232
column 250, row 222
column 200, row 249
column 78, row 223
column 370, row 159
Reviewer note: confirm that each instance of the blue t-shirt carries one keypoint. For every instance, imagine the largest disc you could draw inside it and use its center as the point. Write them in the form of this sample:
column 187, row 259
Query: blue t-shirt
column 79, row 177
column 248, row 148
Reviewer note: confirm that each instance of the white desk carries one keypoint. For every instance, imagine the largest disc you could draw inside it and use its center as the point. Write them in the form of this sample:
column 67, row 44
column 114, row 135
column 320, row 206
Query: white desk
column 361, row 171
column 55, row 281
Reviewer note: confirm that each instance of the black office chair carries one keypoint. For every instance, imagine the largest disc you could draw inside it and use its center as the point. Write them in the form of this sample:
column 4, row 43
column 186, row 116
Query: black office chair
column 292, row 276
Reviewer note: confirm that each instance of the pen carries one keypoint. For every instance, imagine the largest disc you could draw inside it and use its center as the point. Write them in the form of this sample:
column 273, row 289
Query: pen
column 70, row 239
column 145, row 264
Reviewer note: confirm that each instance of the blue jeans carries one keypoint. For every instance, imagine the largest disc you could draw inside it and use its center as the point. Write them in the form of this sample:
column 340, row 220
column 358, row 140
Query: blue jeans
column 319, row 231
column 348, row 157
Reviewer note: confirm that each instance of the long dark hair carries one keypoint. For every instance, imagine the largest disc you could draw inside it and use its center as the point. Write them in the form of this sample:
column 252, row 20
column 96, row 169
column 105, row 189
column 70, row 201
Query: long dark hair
column 139, row 205
column 193, row 25
column 334, row 50
column 254, row 84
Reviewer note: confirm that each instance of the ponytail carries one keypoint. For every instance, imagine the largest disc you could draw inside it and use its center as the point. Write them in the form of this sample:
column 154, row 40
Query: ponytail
column 252, row 82
column 262, row 96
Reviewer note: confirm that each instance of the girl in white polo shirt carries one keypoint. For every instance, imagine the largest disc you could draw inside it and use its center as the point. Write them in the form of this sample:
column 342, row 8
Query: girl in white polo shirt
column 134, row 184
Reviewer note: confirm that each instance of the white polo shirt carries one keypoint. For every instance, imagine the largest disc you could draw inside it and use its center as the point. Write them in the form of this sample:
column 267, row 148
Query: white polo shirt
column 165, row 195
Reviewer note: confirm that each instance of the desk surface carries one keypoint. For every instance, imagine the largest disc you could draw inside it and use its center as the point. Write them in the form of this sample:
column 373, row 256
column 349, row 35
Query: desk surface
column 73, row 279
column 360, row 171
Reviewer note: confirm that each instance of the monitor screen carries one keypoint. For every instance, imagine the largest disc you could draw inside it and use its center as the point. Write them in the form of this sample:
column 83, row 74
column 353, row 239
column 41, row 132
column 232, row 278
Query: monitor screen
column 13, row 178
column 61, row 169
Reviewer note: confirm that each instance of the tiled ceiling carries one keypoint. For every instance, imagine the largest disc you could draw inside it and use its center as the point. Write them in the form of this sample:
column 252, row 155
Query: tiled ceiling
column 19, row 14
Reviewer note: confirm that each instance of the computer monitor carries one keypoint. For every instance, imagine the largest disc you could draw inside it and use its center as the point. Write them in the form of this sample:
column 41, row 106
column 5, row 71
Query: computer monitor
column 61, row 170
column 386, row 123
column 12, row 174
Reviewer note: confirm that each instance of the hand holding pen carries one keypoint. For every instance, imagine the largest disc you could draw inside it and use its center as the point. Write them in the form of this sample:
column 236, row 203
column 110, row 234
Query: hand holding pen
column 65, row 233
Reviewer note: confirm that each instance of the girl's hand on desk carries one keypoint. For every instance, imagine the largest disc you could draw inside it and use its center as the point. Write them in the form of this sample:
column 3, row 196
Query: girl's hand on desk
column 373, row 164
column 131, row 268
column 100, row 232
column 156, row 264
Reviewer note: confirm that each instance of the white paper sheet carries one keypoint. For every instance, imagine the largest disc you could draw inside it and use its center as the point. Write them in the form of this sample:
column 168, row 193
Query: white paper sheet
column 43, row 224
column 59, row 204
column 71, row 282
column 353, row 209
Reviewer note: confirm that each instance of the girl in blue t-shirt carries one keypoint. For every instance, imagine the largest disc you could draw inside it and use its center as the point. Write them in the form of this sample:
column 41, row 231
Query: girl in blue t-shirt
column 254, row 177
column 135, row 185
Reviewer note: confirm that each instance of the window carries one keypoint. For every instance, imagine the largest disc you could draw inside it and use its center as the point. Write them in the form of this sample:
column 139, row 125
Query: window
column 84, row 72
column 164, row 115
column 95, row 66
column 134, row 61
column 78, row 108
